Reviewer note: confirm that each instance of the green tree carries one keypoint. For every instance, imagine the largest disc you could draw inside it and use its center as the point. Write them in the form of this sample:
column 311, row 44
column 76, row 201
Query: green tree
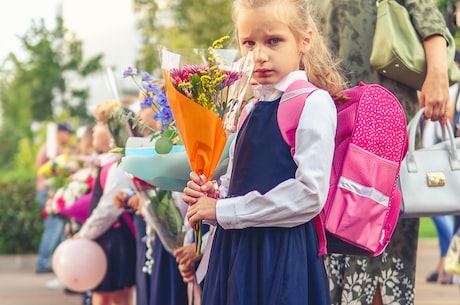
column 46, row 82
column 203, row 20
column 180, row 25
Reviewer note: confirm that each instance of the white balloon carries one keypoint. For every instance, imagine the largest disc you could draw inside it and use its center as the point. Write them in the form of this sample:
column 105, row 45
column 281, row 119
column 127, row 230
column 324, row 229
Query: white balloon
column 80, row 264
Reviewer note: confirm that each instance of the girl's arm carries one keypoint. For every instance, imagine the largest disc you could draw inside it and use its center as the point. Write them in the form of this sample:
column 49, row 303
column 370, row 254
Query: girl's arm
column 105, row 214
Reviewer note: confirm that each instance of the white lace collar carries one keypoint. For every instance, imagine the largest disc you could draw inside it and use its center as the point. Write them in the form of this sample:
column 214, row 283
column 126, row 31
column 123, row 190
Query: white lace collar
column 106, row 158
column 273, row 92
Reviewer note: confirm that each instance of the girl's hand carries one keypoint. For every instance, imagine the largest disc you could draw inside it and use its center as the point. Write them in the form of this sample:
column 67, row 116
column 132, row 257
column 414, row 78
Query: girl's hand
column 204, row 208
column 120, row 199
column 135, row 203
column 186, row 258
column 198, row 187
column 187, row 272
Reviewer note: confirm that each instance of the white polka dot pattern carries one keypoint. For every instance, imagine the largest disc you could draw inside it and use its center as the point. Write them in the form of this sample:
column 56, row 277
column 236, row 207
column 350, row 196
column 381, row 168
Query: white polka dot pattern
column 380, row 126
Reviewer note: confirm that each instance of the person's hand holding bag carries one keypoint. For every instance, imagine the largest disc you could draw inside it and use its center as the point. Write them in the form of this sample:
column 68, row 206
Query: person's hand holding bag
column 434, row 94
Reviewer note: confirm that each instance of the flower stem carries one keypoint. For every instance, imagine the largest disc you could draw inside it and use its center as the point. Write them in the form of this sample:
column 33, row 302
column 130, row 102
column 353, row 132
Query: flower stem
column 198, row 237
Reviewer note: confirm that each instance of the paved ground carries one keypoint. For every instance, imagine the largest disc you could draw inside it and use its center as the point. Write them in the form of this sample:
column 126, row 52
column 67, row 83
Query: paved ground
column 19, row 285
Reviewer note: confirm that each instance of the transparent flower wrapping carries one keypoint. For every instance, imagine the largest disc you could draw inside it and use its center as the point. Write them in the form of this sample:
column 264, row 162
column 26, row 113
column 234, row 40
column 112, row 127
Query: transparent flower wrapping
column 205, row 100
column 161, row 213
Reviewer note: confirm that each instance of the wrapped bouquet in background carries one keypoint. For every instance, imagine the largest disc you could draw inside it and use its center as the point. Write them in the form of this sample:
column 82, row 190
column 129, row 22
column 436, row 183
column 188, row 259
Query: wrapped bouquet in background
column 156, row 164
column 58, row 169
column 64, row 201
column 161, row 213
column 205, row 100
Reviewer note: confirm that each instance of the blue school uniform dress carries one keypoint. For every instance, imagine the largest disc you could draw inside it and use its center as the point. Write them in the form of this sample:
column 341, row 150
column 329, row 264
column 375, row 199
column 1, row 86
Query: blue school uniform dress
column 142, row 280
column 166, row 284
column 119, row 246
column 264, row 265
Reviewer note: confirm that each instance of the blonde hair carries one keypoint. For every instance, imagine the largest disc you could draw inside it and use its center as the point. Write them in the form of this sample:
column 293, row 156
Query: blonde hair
column 322, row 69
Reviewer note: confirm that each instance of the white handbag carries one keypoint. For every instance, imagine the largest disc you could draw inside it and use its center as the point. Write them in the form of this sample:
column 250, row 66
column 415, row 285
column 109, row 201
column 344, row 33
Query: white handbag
column 430, row 177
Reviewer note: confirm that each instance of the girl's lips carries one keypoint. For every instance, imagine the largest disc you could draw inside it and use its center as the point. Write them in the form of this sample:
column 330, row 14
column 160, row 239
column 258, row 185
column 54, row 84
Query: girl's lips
column 262, row 71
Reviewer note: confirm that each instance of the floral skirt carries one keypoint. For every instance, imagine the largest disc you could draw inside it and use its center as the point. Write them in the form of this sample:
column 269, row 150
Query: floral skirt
column 354, row 280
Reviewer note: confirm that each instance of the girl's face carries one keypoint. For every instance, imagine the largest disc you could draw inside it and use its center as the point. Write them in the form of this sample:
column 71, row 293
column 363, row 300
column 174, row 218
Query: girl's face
column 101, row 138
column 276, row 50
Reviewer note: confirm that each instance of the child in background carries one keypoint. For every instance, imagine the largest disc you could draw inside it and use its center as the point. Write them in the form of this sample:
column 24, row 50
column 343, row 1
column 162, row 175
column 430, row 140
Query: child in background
column 265, row 248
column 112, row 228
column 160, row 283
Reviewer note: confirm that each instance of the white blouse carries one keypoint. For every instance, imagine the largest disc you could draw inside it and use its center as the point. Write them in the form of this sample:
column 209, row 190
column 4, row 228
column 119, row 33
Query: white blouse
column 297, row 200
column 105, row 214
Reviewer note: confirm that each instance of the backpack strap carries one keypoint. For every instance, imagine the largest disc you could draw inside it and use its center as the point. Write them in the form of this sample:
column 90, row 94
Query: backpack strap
column 290, row 109
column 103, row 176
column 125, row 215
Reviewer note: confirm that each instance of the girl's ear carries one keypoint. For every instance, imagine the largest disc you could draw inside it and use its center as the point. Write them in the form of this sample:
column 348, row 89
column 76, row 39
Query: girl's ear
column 305, row 43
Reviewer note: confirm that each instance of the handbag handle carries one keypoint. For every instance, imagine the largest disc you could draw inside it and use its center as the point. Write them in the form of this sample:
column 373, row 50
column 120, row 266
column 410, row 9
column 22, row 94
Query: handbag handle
column 447, row 129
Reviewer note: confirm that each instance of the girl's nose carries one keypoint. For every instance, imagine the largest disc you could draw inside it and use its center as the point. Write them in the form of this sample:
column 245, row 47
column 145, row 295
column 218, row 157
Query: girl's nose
column 260, row 55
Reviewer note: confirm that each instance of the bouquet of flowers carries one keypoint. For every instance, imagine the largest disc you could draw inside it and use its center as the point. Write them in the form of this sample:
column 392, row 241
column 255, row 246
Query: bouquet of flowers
column 161, row 212
column 155, row 98
column 58, row 169
column 206, row 100
column 63, row 201
column 153, row 165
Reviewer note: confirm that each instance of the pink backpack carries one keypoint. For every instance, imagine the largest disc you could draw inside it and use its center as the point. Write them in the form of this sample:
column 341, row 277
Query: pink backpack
column 363, row 204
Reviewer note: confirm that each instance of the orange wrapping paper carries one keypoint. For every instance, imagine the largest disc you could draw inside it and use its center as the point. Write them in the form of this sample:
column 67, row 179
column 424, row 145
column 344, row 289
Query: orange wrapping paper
column 200, row 129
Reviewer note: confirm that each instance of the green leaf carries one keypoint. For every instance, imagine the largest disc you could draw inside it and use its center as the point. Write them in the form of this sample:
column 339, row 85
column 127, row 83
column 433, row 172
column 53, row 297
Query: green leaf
column 163, row 145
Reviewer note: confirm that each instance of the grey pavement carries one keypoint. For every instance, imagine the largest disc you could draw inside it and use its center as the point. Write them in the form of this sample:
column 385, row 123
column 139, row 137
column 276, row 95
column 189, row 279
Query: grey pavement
column 19, row 285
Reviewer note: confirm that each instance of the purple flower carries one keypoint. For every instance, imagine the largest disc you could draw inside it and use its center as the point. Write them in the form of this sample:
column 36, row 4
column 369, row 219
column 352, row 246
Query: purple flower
column 130, row 71
column 231, row 78
column 166, row 116
column 150, row 87
column 148, row 101
column 162, row 100
column 187, row 70
column 146, row 76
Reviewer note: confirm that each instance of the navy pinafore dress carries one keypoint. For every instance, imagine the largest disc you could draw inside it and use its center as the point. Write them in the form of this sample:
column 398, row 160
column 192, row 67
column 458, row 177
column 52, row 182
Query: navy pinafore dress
column 119, row 246
column 264, row 265
column 166, row 284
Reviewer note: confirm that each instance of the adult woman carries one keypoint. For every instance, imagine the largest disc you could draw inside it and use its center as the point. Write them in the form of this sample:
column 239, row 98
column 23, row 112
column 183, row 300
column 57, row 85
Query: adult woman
column 350, row 25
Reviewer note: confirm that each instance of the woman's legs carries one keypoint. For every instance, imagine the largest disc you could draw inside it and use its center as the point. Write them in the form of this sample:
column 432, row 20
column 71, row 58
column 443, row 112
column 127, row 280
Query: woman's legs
column 445, row 228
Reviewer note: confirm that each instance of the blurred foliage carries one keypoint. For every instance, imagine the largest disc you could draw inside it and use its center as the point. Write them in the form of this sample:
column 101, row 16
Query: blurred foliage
column 43, row 84
column 21, row 224
column 182, row 24
column 203, row 20
column 9, row 138
column 46, row 83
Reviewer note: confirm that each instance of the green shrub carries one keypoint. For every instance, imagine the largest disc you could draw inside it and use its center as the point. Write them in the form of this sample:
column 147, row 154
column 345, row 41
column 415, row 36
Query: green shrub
column 21, row 224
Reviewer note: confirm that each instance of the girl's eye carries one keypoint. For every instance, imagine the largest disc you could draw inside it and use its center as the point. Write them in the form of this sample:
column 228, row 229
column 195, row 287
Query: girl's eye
column 248, row 43
column 274, row 40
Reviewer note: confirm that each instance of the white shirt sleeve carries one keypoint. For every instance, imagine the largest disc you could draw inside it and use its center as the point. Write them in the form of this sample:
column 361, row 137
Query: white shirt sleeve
column 294, row 201
column 105, row 214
